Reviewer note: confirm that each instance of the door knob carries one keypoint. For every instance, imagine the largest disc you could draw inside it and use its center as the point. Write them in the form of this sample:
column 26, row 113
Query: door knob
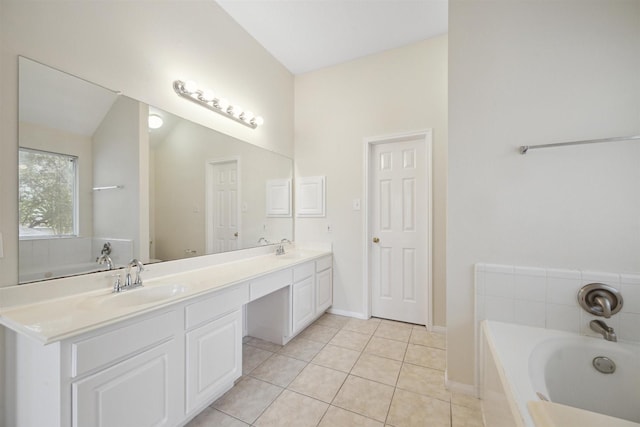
column 235, row 234
column 376, row 240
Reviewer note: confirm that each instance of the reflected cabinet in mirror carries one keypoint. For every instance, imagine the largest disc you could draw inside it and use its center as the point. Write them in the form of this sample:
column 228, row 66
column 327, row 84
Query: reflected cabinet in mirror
column 98, row 186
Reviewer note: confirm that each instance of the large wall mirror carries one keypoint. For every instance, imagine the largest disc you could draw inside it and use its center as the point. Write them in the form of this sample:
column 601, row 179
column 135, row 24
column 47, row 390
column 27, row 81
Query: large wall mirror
column 98, row 186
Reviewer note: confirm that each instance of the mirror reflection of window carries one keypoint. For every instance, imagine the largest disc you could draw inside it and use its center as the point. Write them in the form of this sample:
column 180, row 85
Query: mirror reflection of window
column 47, row 194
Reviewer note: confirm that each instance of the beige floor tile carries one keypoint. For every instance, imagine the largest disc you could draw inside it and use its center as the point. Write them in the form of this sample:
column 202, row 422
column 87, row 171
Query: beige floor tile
column 319, row 333
column 466, row 400
column 248, row 399
column 279, row 370
column 335, row 357
column 213, row 418
column 377, row 368
column 318, row 382
column 421, row 336
column 338, row 417
column 413, row 410
column 332, row 320
column 367, row 327
column 429, row 357
column 383, row 347
column 252, row 357
column 394, row 331
column 264, row 345
column 352, row 340
column 365, row 397
column 292, row 410
column 302, row 349
column 466, row 417
column 425, row 381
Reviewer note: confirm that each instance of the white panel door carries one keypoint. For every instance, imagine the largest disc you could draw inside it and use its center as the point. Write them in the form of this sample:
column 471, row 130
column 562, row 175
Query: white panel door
column 143, row 391
column 223, row 210
column 399, row 225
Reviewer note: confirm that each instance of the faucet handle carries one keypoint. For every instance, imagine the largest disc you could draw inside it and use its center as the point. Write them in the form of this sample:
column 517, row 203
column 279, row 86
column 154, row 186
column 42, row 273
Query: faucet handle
column 117, row 285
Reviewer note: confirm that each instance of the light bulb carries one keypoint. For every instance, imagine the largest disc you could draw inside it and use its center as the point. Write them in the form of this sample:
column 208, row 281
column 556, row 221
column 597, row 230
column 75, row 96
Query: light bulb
column 190, row 86
column 247, row 116
column 155, row 121
column 237, row 111
column 258, row 121
column 207, row 95
column 223, row 104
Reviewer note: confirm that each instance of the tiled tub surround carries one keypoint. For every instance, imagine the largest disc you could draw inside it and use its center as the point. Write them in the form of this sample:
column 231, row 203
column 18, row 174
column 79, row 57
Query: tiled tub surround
column 547, row 298
column 344, row 372
column 58, row 257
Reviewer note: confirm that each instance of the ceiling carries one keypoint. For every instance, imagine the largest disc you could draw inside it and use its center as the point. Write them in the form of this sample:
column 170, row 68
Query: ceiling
column 306, row 35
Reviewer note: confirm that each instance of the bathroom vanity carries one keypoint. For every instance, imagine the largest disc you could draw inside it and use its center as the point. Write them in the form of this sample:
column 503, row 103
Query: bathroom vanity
column 158, row 355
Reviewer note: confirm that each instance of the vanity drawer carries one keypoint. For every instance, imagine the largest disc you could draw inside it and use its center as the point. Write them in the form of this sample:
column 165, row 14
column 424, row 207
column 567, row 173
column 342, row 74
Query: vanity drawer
column 218, row 304
column 114, row 345
column 265, row 285
column 324, row 263
column 303, row 271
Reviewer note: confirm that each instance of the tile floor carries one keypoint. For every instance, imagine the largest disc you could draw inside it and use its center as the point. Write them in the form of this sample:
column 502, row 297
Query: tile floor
column 344, row 372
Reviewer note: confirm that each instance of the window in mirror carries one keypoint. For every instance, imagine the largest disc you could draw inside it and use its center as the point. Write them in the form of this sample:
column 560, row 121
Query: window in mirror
column 47, row 194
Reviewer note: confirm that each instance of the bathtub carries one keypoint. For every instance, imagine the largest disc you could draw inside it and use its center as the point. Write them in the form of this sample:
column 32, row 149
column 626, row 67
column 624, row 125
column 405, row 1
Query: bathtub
column 522, row 367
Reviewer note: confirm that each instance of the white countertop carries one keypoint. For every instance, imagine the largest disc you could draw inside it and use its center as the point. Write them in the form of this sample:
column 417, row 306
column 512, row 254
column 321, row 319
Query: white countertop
column 56, row 319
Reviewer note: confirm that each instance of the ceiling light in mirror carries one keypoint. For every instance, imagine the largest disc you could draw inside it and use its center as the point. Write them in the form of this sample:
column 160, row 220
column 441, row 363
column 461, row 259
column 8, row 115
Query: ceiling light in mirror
column 155, row 121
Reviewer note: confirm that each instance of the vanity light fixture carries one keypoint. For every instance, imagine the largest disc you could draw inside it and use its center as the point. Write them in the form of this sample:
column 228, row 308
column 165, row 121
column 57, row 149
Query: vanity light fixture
column 155, row 121
column 213, row 102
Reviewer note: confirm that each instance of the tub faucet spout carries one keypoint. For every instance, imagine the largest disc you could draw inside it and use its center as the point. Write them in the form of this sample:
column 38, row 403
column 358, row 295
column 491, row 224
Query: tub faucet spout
column 603, row 329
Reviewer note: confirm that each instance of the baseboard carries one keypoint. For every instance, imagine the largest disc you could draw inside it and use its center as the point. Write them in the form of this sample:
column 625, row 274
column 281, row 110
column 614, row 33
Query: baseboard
column 462, row 388
column 439, row 329
column 347, row 313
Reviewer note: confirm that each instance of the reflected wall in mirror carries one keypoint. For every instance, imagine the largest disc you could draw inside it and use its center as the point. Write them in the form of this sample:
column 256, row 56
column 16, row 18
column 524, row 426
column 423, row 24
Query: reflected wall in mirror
column 98, row 187
column 208, row 191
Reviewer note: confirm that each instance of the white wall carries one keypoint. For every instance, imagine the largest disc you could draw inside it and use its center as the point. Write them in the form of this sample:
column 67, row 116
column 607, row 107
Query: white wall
column 139, row 48
column 393, row 92
column 536, row 72
column 118, row 162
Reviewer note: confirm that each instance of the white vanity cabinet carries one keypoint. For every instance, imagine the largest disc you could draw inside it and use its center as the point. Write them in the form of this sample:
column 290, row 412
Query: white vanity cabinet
column 213, row 358
column 303, row 296
column 324, row 284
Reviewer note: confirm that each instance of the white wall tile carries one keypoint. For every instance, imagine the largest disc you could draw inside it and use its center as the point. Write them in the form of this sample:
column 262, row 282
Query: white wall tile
column 611, row 279
column 564, row 318
column 499, row 284
column 499, row 268
column 630, row 279
column 564, row 274
column 499, row 308
column 630, row 298
column 479, row 282
column 531, row 288
column 530, row 271
column 530, row 313
column 629, row 327
column 562, row 290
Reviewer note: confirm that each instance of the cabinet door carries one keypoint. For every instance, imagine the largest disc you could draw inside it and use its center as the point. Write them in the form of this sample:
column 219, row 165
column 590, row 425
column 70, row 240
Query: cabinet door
column 324, row 290
column 214, row 359
column 142, row 391
column 303, row 304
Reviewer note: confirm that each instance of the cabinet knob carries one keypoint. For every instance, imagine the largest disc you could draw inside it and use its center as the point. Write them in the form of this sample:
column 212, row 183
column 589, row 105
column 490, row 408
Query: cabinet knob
column 376, row 240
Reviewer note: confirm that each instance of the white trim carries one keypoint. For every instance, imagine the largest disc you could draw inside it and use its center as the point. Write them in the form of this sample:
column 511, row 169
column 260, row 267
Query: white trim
column 439, row 329
column 347, row 313
column 427, row 136
column 461, row 388
column 208, row 210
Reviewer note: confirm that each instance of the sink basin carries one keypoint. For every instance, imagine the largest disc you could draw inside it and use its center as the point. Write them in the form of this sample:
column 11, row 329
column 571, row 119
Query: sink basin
column 139, row 296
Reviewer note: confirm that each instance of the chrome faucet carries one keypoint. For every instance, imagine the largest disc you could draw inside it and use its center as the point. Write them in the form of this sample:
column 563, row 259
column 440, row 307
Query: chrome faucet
column 128, row 284
column 603, row 329
column 280, row 248
column 262, row 239
column 104, row 257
